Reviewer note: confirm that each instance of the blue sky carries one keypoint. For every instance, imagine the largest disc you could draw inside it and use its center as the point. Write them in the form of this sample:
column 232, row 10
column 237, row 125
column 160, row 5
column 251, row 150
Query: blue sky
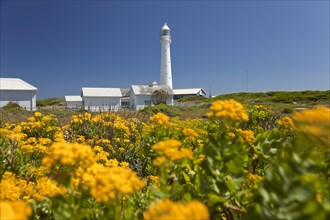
column 61, row 46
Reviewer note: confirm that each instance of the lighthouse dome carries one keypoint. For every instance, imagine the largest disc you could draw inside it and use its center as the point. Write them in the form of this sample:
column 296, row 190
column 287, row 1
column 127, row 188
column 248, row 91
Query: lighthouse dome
column 165, row 27
column 165, row 31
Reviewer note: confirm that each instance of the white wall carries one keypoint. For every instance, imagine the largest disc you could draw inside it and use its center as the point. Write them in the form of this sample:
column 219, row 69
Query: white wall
column 169, row 101
column 25, row 99
column 73, row 104
column 101, row 104
column 138, row 102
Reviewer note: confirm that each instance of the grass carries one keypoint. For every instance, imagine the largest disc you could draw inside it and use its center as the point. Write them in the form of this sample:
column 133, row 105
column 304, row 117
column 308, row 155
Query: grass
column 192, row 107
column 51, row 102
column 193, row 99
column 166, row 109
column 280, row 101
column 304, row 97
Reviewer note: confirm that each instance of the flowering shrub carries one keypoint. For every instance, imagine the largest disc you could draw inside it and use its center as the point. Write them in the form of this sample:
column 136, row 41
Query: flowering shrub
column 233, row 164
column 166, row 209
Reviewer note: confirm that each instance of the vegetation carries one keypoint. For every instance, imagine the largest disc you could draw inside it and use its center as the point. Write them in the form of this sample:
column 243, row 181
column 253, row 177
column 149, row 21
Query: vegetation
column 235, row 163
column 51, row 102
column 163, row 108
column 159, row 97
column 193, row 99
column 279, row 97
column 11, row 106
column 281, row 101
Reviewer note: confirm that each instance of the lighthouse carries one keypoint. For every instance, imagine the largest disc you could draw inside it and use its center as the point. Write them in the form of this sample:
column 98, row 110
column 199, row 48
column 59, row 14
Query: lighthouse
column 165, row 62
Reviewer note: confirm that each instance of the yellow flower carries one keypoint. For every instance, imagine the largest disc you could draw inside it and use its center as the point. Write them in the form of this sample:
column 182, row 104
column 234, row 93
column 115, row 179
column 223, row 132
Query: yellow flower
column 286, row 123
column 169, row 144
column 47, row 118
column 246, row 135
column 159, row 161
column 59, row 137
column 69, row 154
column 115, row 181
column 190, row 134
column 17, row 129
column 314, row 124
column 170, row 149
column 253, row 177
column 166, row 209
column 112, row 163
column 160, row 118
column 37, row 114
column 14, row 210
column 231, row 134
column 100, row 154
column 260, row 107
column 124, row 164
column 86, row 177
column 228, row 109
column 37, row 171
column 201, row 157
column 200, row 143
column 31, row 119
column 28, row 148
column 48, row 188
column 75, row 119
column 37, row 124
column 13, row 189
column 10, row 189
column 45, row 141
column 16, row 136
column 154, row 179
column 12, row 135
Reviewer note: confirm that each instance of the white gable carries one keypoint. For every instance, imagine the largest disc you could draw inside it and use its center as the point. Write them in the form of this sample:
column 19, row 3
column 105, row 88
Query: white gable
column 73, row 98
column 148, row 90
column 101, row 92
column 15, row 84
column 193, row 91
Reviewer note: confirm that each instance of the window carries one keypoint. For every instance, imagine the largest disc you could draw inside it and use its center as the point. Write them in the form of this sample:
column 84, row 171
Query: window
column 147, row 102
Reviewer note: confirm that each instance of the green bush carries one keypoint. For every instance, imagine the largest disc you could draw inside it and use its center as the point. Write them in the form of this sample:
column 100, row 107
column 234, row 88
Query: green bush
column 163, row 108
column 12, row 106
column 50, row 102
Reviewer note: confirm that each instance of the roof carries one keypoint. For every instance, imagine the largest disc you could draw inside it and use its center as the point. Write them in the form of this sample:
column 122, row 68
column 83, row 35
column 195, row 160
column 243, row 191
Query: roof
column 124, row 91
column 73, row 98
column 165, row 27
column 100, row 92
column 15, row 84
column 188, row 91
column 148, row 90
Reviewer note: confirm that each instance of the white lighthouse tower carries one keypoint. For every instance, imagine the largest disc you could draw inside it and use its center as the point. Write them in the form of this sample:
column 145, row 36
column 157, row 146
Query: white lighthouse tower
column 165, row 63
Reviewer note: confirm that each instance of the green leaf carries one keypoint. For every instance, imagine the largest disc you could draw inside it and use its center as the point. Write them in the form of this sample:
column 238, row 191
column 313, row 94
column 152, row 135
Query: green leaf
column 186, row 177
column 214, row 199
column 230, row 183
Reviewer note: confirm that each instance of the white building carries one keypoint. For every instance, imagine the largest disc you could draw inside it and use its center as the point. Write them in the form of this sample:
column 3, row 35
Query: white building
column 141, row 95
column 73, row 102
column 18, row 91
column 125, row 99
column 101, row 99
column 184, row 93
